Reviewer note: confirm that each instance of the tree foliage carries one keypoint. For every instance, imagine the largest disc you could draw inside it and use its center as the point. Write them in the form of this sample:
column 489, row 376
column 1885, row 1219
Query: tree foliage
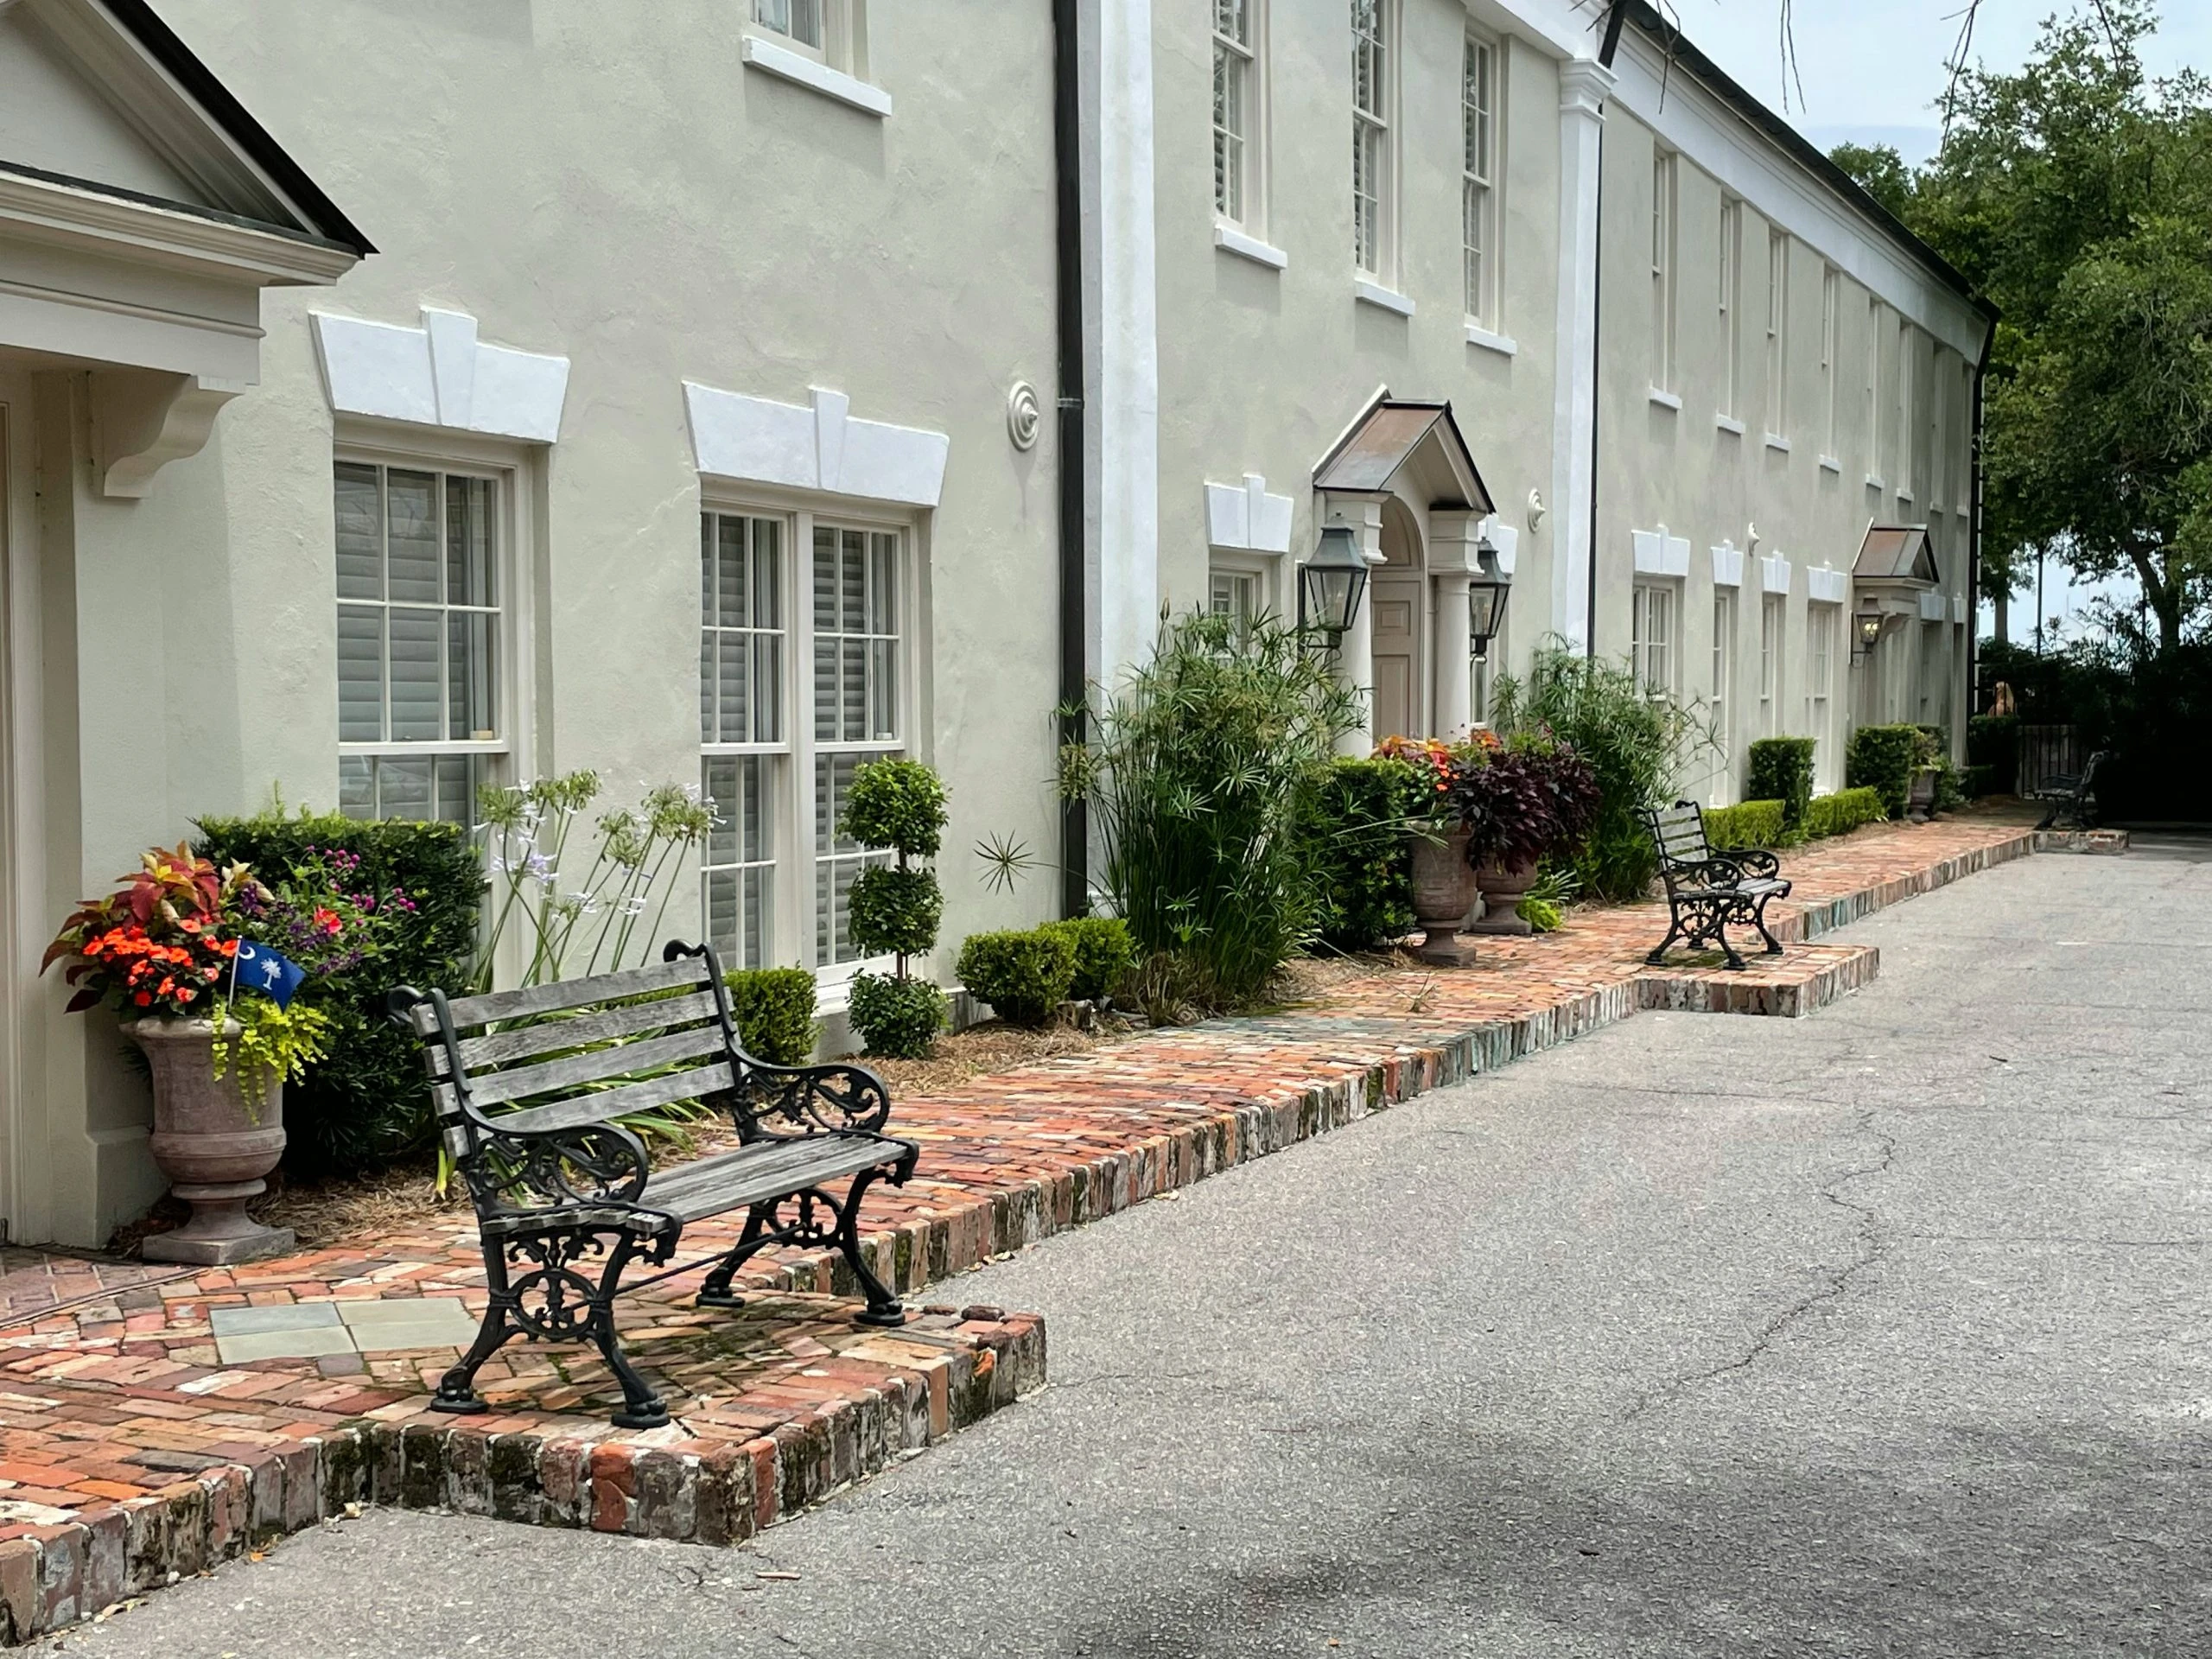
column 2078, row 194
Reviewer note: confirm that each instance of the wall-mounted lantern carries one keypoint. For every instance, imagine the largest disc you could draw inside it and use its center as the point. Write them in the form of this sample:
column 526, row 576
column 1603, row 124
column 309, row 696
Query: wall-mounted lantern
column 1330, row 584
column 1488, row 590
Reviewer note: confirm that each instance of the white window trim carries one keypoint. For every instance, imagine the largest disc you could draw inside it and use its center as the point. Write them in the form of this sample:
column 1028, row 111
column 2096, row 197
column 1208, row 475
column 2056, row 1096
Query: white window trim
column 1376, row 284
column 1831, row 344
column 1773, row 661
column 1778, row 338
column 1666, row 251
column 1731, row 305
column 1483, row 318
column 448, row 452
column 791, row 928
column 1673, row 588
column 1248, row 233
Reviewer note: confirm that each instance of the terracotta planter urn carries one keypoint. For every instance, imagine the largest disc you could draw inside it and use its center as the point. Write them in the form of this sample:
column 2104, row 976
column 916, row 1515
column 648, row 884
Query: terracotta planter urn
column 1443, row 893
column 1503, row 888
column 215, row 1150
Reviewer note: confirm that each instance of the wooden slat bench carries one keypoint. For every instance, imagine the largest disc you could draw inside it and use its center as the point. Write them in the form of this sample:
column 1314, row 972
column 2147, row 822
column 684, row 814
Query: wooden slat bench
column 2071, row 795
column 1707, row 890
column 528, row 1087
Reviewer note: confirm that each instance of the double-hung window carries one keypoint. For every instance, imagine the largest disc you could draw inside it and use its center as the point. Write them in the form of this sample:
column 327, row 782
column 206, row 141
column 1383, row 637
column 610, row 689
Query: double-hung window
column 1238, row 132
column 420, row 589
column 803, row 679
column 1876, row 427
column 1724, row 685
column 1822, row 623
column 1652, row 637
column 1905, row 482
column 1772, row 612
column 1730, row 284
column 832, row 32
column 1831, row 316
column 743, row 737
column 1662, row 271
column 1478, row 224
column 1777, row 333
column 1371, row 137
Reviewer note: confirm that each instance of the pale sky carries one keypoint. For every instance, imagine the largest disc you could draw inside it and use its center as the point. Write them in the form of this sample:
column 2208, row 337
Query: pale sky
column 1872, row 68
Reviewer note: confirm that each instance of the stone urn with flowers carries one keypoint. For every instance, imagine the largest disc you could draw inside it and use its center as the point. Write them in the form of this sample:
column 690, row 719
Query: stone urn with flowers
column 1444, row 890
column 168, row 954
column 1528, row 799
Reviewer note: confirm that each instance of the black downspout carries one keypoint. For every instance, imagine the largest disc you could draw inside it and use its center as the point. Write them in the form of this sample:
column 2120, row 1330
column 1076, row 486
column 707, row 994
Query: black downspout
column 1614, row 19
column 1973, row 532
column 1067, row 148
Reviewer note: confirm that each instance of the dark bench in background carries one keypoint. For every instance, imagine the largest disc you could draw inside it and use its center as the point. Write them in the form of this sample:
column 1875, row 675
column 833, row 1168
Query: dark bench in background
column 1706, row 890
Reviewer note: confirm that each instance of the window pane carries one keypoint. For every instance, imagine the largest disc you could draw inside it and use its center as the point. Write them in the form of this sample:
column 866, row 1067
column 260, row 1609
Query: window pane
column 403, row 787
column 470, row 539
column 415, row 702
column 360, row 533
column 734, row 678
column 469, row 645
column 457, row 788
column 361, row 674
column 356, row 785
column 412, row 499
column 738, row 867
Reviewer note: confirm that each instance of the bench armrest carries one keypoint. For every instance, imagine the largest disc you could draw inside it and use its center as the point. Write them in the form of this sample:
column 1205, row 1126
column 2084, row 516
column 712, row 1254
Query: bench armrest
column 1750, row 861
column 808, row 1100
column 535, row 1169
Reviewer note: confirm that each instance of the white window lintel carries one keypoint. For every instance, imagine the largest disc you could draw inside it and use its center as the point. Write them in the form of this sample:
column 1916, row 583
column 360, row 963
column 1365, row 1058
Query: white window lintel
column 820, row 447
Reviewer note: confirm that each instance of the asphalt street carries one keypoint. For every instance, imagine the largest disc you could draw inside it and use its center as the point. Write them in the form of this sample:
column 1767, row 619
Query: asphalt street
column 1877, row 1333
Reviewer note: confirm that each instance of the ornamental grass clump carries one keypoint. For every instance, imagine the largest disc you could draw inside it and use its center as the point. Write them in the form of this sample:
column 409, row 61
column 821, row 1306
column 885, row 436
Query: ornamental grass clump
column 896, row 806
column 1635, row 741
column 1196, row 771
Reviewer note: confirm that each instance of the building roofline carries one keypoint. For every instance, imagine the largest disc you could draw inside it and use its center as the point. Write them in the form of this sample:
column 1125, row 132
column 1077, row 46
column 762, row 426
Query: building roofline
column 162, row 43
column 1683, row 53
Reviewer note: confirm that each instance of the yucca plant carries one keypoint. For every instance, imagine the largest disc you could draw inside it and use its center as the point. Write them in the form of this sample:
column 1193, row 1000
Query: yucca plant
column 1196, row 770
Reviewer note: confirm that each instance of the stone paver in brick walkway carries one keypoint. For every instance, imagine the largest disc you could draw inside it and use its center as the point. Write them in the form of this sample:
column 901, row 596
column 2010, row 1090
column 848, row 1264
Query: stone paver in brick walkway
column 132, row 1446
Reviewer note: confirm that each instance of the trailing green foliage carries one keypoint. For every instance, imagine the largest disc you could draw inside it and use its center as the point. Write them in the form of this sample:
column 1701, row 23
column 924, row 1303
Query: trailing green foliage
column 1540, row 914
column 1024, row 974
column 1782, row 769
column 899, row 1019
column 895, row 911
column 1196, row 773
column 774, row 1011
column 1745, row 825
column 1356, row 826
column 1103, row 954
column 364, row 1103
column 896, row 803
column 1636, row 745
column 1882, row 758
column 1843, row 811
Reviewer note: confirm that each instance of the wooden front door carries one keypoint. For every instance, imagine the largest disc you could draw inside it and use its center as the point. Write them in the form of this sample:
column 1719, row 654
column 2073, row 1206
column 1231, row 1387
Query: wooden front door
column 1398, row 711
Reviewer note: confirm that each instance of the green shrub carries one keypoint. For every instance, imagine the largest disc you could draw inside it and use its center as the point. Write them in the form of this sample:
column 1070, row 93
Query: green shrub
column 1973, row 782
column 1356, row 828
column 896, row 803
column 1540, row 914
column 1841, row 813
column 1993, row 745
column 1103, row 954
column 774, row 1011
column 1749, row 825
column 1782, row 769
column 367, row 1103
column 1196, row 775
column 895, row 911
column 1636, row 745
column 899, row 1019
column 1024, row 975
column 1882, row 758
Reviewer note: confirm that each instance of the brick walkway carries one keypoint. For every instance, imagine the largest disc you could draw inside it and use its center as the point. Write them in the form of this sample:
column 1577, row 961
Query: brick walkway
column 132, row 1446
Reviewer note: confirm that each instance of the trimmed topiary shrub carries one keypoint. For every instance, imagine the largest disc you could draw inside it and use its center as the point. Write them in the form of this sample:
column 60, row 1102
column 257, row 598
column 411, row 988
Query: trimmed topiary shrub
column 900, row 805
column 366, row 1103
column 895, row 911
column 1882, row 758
column 1782, row 769
column 1841, row 813
column 1355, row 825
column 1024, row 975
column 1749, row 825
column 899, row 1019
column 774, row 1011
column 1103, row 953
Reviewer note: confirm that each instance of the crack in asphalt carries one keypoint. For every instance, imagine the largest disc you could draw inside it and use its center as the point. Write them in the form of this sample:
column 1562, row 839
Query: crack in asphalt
column 1867, row 1247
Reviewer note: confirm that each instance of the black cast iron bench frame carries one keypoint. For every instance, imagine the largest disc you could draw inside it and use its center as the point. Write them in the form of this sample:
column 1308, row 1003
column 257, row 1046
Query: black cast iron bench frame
column 561, row 1188
column 2071, row 794
column 1706, row 890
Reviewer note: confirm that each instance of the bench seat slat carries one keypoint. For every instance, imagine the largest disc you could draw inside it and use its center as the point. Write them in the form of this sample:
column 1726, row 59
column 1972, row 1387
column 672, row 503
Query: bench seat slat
column 755, row 1173
column 586, row 1109
column 500, row 1047
column 571, row 1070
column 573, row 993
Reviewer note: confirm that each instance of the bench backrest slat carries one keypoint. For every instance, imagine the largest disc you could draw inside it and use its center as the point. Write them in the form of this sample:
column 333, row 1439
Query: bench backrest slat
column 533, row 1000
column 1678, row 831
column 571, row 1071
column 607, row 1103
column 552, row 1034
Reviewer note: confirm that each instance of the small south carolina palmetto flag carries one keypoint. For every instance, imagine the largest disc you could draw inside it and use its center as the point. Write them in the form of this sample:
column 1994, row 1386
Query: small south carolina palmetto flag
column 264, row 969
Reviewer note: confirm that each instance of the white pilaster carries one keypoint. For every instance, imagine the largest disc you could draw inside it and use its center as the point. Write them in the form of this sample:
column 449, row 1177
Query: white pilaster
column 1356, row 652
column 1127, row 391
column 1583, row 85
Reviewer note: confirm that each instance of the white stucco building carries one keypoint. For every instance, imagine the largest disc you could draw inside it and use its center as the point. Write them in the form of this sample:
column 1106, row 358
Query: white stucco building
column 730, row 391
